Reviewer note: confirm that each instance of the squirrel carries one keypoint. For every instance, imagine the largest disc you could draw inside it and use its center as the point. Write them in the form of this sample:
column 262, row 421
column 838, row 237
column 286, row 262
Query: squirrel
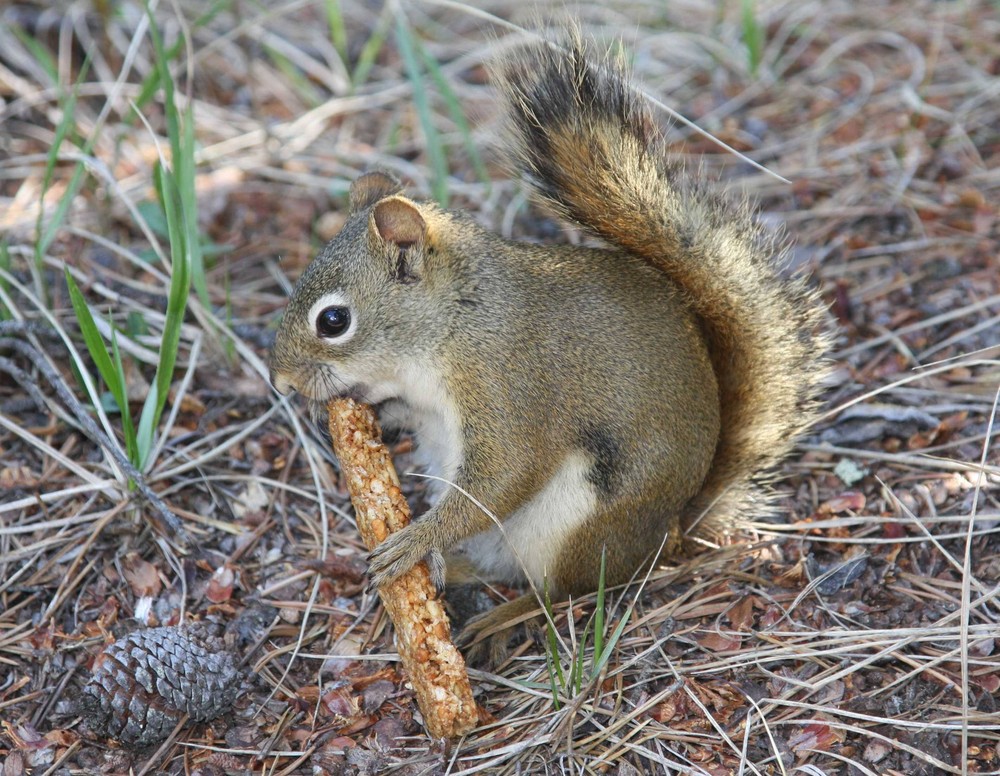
column 579, row 402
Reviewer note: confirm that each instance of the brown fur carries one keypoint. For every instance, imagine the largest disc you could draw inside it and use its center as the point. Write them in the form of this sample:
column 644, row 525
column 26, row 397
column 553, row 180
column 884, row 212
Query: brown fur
column 591, row 149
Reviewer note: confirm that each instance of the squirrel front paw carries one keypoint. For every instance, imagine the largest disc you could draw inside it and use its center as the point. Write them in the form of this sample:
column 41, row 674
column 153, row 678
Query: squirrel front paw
column 402, row 551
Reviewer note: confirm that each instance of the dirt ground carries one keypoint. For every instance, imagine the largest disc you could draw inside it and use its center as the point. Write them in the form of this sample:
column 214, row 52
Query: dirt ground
column 856, row 634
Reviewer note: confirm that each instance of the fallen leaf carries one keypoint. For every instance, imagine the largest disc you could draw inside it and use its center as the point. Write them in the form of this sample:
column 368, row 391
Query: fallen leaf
column 876, row 751
column 375, row 694
column 715, row 641
column 989, row 682
column 741, row 613
column 849, row 501
column 141, row 575
column 341, row 705
column 815, row 737
column 893, row 529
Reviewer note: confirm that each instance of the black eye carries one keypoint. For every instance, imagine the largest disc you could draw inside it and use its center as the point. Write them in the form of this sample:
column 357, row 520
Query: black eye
column 333, row 321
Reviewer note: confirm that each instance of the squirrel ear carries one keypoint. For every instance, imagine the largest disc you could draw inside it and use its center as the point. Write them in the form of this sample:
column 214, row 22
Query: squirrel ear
column 371, row 187
column 398, row 221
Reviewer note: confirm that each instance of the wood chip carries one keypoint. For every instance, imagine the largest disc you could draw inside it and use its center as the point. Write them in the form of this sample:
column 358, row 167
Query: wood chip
column 431, row 660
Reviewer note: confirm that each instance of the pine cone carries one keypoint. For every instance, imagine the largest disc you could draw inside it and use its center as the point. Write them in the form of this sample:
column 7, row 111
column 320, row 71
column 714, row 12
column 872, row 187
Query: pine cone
column 148, row 680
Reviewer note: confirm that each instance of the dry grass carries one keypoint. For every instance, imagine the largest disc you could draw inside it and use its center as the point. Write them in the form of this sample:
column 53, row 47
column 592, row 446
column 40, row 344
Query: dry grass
column 858, row 636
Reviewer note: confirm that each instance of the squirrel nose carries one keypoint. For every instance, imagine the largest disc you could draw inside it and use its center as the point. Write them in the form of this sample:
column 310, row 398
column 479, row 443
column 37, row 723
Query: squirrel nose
column 281, row 383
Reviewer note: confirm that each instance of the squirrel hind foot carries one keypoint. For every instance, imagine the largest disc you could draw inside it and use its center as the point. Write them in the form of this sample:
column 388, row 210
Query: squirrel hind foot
column 485, row 639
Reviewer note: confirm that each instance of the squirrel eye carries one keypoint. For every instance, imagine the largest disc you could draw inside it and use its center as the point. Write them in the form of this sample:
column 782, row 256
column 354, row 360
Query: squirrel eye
column 333, row 321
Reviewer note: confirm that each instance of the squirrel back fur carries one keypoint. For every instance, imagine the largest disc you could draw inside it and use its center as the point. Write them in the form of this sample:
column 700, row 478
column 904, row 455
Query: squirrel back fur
column 591, row 150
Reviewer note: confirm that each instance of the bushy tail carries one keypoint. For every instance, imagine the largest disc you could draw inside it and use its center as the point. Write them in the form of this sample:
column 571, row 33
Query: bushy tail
column 592, row 149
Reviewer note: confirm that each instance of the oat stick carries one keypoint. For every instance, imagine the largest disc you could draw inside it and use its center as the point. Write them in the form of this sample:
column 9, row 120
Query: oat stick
column 423, row 636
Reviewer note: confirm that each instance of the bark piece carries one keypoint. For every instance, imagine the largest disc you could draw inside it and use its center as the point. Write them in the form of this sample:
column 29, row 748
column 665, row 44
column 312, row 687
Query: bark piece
column 431, row 660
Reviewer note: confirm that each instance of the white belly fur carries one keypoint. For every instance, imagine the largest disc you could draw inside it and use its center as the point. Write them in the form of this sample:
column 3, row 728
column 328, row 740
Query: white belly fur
column 538, row 529
column 431, row 414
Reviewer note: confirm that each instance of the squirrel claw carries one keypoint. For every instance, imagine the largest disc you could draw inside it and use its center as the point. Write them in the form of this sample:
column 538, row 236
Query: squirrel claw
column 487, row 654
column 485, row 639
column 436, row 567
column 400, row 552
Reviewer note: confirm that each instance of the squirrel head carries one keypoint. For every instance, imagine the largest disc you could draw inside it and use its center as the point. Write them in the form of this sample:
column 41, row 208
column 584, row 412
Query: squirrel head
column 365, row 303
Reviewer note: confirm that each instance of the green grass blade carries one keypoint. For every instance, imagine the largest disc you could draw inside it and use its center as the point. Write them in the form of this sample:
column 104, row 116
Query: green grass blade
column 599, row 608
column 184, row 170
column 154, row 78
column 166, row 191
column 435, row 148
column 93, row 340
column 175, row 189
column 180, row 285
column 39, row 52
column 148, row 421
column 753, row 35
column 152, row 213
column 45, row 236
column 128, row 429
column 151, row 83
column 455, row 110
column 5, row 314
column 369, row 52
column 62, row 129
column 181, row 135
column 229, row 345
column 308, row 93
column 551, row 661
column 604, row 649
column 42, row 245
column 553, row 642
column 214, row 10
column 166, row 82
column 108, row 365
column 338, row 32
column 609, row 648
column 581, row 653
